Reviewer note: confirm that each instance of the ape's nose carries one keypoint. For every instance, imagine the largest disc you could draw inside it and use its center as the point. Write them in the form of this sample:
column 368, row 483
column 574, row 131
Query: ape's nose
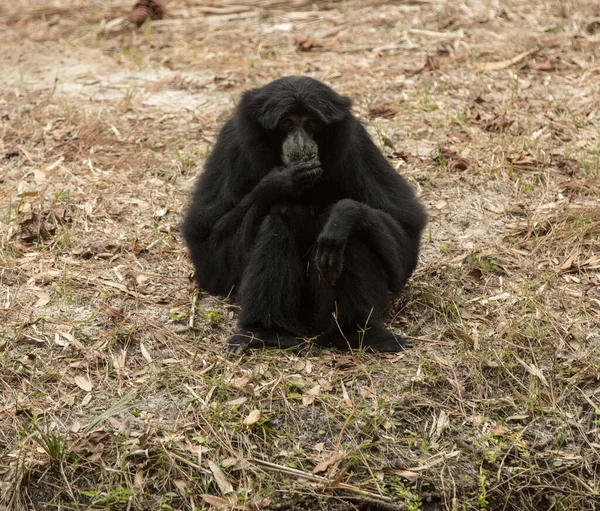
column 300, row 140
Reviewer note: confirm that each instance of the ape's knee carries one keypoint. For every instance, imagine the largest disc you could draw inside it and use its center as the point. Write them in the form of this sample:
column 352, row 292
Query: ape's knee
column 363, row 267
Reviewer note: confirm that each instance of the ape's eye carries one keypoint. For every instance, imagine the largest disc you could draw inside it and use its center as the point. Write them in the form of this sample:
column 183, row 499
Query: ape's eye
column 311, row 125
column 287, row 124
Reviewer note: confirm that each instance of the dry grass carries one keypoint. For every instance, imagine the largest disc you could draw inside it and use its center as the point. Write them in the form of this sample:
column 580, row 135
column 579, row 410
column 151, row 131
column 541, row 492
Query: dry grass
column 114, row 391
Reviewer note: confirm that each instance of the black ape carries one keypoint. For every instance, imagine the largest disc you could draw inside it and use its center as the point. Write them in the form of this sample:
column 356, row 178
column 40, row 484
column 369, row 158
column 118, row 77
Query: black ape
column 302, row 217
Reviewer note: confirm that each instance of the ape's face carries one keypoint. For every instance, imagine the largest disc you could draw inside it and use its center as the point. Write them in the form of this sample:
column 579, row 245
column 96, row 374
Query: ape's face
column 298, row 131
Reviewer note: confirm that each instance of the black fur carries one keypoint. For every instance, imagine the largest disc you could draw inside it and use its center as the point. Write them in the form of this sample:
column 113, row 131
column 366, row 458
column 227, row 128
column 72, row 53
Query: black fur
column 312, row 248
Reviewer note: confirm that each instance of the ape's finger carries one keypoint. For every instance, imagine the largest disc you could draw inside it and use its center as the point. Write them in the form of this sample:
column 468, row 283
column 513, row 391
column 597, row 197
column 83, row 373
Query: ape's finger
column 313, row 173
column 233, row 350
column 396, row 345
column 323, row 260
column 304, row 166
column 311, row 164
column 336, row 261
column 331, row 266
column 238, row 344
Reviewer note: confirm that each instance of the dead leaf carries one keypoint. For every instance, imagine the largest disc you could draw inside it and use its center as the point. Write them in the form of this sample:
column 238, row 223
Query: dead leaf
column 115, row 314
column 381, row 109
column 434, row 460
column 221, row 479
column 145, row 353
column 496, row 124
column 569, row 261
column 593, row 263
column 347, row 399
column 145, row 10
column 143, row 284
column 242, row 384
column 324, row 465
column 43, row 299
column 237, row 402
column 438, row 426
column 308, row 397
column 533, row 370
column 220, row 504
column 525, row 162
column 431, row 64
column 36, row 228
column 499, row 430
column 181, row 486
column 252, row 418
column 544, row 65
column 409, row 475
column 593, row 28
column 306, row 43
column 39, row 176
column 70, row 338
column 83, row 383
column 138, row 480
column 100, row 249
column 451, row 159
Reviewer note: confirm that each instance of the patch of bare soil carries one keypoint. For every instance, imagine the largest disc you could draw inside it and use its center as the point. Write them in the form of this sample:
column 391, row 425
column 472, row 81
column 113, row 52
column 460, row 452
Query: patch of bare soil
column 115, row 394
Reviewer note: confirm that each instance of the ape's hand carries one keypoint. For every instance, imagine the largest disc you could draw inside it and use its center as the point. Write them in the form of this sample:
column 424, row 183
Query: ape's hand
column 333, row 238
column 330, row 257
column 295, row 178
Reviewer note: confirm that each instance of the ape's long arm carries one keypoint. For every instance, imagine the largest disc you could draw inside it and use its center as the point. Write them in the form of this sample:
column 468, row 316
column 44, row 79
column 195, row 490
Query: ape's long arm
column 220, row 228
column 218, row 251
column 394, row 240
column 383, row 212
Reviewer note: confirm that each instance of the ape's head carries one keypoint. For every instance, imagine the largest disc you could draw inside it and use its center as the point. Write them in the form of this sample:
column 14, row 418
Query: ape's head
column 298, row 112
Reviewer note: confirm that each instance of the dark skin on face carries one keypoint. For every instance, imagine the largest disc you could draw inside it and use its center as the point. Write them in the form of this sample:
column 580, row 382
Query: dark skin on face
column 299, row 153
column 299, row 144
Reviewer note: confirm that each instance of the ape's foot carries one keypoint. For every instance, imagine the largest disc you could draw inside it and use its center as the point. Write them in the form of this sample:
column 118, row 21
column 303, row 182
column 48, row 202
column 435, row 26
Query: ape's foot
column 381, row 340
column 262, row 337
column 374, row 338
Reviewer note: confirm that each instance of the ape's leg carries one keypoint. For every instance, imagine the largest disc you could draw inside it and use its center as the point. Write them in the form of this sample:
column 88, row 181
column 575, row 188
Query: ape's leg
column 349, row 313
column 272, row 291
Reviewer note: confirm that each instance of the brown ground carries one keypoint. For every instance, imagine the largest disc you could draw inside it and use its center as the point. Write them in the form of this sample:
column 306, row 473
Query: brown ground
column 114, row 394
